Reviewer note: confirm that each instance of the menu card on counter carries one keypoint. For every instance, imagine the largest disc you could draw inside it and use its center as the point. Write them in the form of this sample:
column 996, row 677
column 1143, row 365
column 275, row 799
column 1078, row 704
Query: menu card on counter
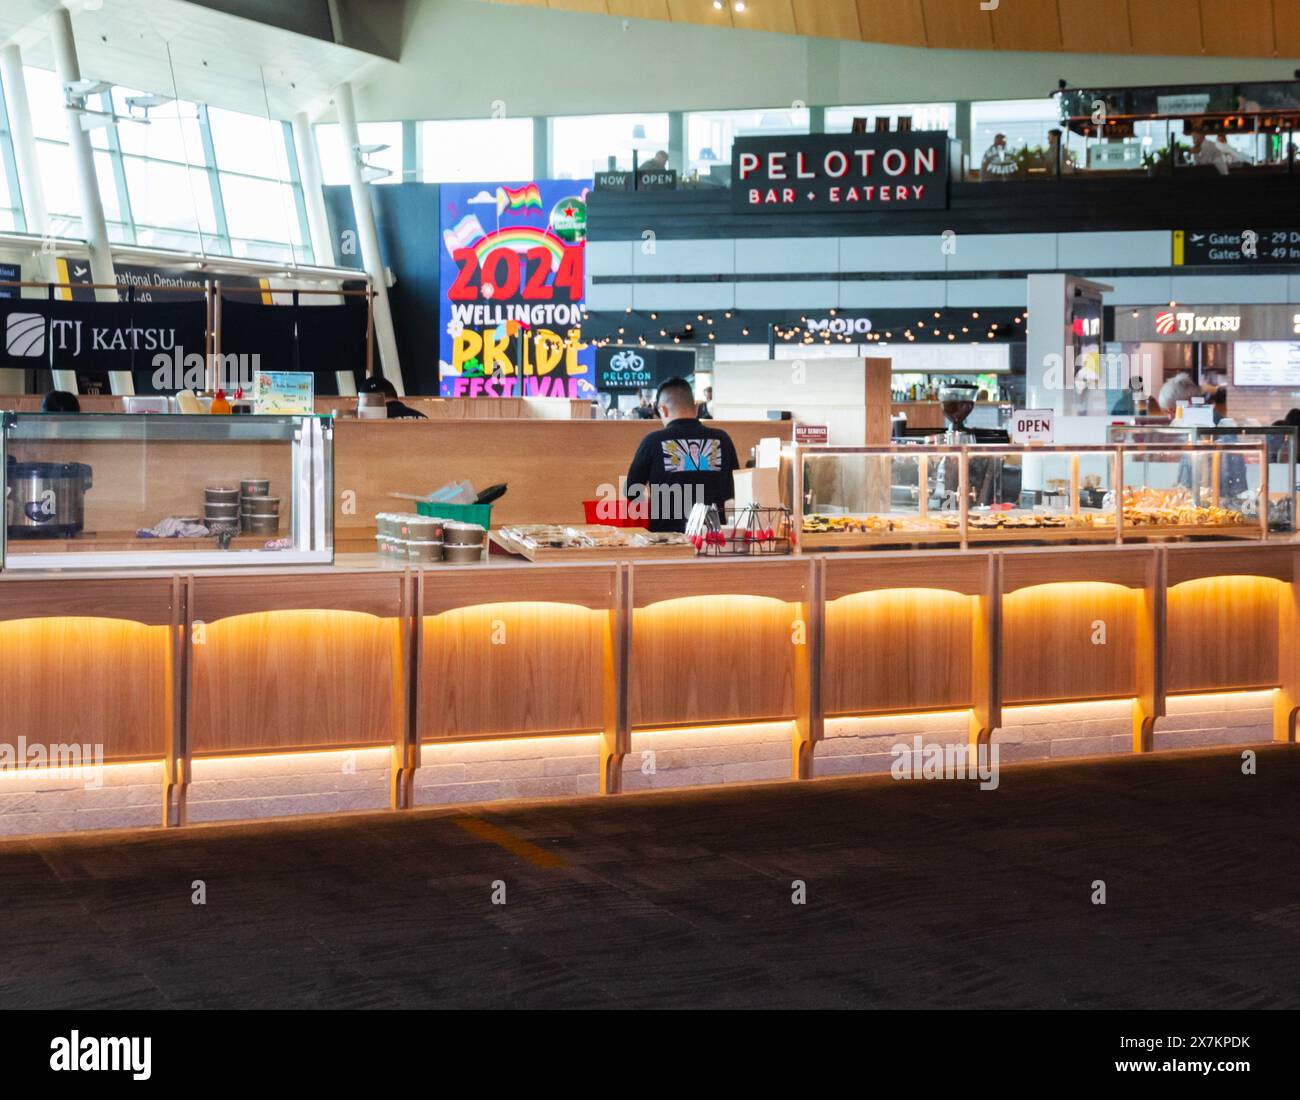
column 284, row 392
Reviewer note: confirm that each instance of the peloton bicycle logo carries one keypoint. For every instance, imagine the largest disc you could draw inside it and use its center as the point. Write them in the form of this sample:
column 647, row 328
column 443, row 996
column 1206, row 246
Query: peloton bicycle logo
column 626, row 360
column 25, row 335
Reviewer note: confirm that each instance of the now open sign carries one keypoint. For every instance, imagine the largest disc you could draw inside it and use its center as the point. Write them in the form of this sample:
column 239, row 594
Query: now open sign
column 1031, row 426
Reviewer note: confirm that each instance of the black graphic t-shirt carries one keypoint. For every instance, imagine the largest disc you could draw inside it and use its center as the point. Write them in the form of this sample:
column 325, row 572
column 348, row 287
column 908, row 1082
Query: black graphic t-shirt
column 679, row 466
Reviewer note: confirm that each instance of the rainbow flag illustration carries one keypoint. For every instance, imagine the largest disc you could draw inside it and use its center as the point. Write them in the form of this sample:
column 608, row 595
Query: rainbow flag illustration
column 518, row 198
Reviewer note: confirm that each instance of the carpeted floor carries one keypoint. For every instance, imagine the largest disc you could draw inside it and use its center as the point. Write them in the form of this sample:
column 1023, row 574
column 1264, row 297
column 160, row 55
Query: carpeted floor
column 926, row 894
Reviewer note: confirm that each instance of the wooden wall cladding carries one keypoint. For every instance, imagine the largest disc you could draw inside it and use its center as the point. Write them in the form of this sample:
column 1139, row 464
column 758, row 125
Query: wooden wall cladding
column 1048, row 652
column 551, row 466
column 712, row 659
column 275, row 681
column 509, row 669
column 897, row 650
column 87, row 680
column 1222, row 634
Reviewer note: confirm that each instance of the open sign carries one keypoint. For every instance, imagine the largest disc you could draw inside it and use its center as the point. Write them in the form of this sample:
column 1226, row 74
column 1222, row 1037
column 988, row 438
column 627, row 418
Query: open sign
column 1032, row 426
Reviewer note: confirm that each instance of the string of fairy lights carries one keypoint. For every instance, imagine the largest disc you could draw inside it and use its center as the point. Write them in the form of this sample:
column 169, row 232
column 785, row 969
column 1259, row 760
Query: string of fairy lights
column 943, row 326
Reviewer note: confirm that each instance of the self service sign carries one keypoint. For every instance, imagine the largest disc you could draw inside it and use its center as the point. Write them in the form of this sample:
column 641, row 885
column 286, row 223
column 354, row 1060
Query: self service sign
column 823, row 173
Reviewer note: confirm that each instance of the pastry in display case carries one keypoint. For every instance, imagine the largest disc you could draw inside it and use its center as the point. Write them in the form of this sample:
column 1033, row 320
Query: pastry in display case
column 1281, row 443
column 871, row 496
column 127, row 490
column 864, row 497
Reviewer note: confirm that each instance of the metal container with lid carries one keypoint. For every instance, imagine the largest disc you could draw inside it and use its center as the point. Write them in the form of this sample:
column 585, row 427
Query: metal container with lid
column 46, row 499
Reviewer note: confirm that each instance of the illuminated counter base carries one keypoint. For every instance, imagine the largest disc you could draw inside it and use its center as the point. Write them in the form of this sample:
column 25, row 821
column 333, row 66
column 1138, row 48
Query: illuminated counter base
column 449, row 679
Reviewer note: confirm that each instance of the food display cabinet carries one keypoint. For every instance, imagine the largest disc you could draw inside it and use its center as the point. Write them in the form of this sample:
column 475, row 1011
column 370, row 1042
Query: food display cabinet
column 90, row 491
column 1282, row 443
column 861, row 497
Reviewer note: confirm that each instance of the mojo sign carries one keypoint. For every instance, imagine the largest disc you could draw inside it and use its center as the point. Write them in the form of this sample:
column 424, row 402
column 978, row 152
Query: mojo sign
column 821, row 173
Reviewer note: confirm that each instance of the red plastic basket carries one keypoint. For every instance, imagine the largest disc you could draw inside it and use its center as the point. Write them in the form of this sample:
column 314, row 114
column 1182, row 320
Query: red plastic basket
column 611, row 513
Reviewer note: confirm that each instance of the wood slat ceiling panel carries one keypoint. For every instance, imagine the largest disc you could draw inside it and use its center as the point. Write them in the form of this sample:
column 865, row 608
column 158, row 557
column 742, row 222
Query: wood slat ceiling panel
column 589, row 7
column 1225, row 28
column 766, row 15
column 1099, row 26
column 1286, row 27
column 898, row 22
column 1167, row 27
column 700, row 11
column 1236, row 29
column 957, row 24
column 827, row 18
column 639, row 9
column 1027, row 26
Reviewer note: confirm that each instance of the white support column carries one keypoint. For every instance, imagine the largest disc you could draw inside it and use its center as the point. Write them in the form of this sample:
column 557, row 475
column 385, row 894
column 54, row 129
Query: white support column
column 20, row 125
column 368, row 236
column 13, row 380
column 83, row 163
column 313, row 196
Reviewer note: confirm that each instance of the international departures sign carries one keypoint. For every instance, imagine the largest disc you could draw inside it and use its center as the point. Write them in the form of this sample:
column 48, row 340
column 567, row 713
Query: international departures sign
column 825, row 173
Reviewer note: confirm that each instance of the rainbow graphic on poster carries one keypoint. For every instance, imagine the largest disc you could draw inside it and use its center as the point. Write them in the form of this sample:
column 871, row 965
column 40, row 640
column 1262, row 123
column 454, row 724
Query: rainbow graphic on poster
column 512, row 294
column 522, row 238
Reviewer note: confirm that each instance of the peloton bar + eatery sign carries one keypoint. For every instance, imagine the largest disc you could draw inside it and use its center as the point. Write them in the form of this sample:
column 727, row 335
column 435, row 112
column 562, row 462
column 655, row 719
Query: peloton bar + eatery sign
column 825, row 173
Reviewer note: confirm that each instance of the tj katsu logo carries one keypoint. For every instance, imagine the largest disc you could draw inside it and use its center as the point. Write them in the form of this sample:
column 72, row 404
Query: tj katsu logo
column 825, row 172
column 1188, row 323
column 33, row 335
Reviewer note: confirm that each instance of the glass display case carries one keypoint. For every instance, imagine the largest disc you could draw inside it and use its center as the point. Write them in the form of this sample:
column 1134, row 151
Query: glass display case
column 861, row 497
column 1282, row 443
column 156, row 490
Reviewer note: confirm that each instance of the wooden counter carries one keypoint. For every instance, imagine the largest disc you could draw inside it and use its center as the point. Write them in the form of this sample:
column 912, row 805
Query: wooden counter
column 364, row 653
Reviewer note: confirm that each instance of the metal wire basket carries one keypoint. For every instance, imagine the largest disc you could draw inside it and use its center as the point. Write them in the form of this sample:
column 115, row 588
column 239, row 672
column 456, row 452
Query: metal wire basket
column 749, row 531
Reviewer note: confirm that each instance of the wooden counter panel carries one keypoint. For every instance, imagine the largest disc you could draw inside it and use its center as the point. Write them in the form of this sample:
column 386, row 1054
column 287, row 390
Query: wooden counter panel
column 284, row 680
column 1076, row 563
column 781, row 578
column 964, row 573
column 1222, row 634
column 145, row 600
column 378, row 594
column 448, row 587
column 1190, row 562
column 552, row 466
column 509, row 669
column 1047, row 643
column 87, row 680
column 897, row 650
column 712, row 659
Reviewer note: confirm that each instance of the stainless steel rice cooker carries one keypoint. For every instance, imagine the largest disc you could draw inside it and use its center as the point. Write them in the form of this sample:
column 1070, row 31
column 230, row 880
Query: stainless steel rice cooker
column 46, row 499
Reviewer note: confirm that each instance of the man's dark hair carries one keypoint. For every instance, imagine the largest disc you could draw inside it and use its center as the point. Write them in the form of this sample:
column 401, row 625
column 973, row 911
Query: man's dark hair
column 678, row 391
column 377, row 383
column 1293, row 418
column 60, row 401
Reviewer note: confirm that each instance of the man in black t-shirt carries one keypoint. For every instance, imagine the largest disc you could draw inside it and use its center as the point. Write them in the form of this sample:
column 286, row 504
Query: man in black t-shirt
column 682, row 464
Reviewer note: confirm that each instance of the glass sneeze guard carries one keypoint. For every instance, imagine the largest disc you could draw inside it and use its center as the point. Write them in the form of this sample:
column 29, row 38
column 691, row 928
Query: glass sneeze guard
column 118, row 490
column 854, row 498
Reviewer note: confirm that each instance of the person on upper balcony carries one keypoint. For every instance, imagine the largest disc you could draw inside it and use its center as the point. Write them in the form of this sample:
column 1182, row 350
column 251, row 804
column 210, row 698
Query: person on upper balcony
column 1209, row 152
column 998, row 163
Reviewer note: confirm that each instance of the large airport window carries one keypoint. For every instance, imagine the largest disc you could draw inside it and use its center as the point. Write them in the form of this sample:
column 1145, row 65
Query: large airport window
column 582, row 145
column 467, row 150
column 709, row 134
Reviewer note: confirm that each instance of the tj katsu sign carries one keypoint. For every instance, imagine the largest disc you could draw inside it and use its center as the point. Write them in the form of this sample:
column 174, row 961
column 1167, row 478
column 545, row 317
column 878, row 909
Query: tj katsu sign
column 825, row 173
